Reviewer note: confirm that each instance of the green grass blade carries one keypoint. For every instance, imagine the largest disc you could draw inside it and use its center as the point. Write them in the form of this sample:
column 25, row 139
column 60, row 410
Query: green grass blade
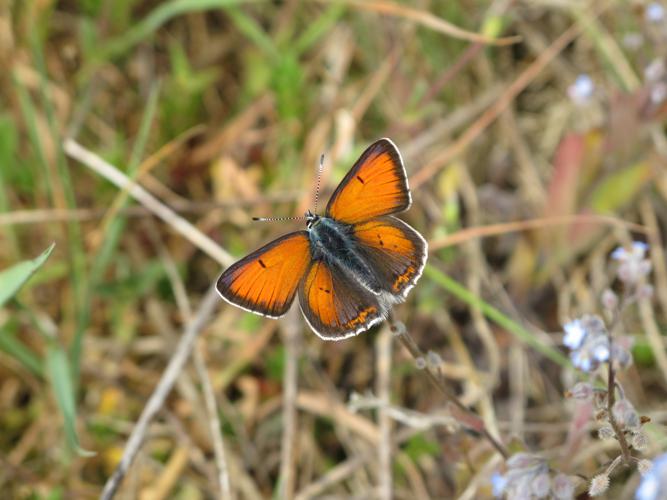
column 521, row 333
column 29, row 113
column 17, row 350
column 8, row 159
column 59, row 374
column 249, row 27
column 151, row 23
column 115, row 230
column 319, row 27
column 12, row 279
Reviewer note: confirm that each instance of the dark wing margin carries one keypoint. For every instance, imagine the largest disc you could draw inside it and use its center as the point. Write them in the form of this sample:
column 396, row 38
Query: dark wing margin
column 336, row 307
column 396, row 252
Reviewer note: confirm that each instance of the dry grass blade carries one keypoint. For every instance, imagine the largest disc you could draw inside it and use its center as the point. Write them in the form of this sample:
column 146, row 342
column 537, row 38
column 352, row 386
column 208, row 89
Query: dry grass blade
column 111, row 173
column 383, row 348
column 526, row 225
column 145, row 167
column 288, row 455
column 489, row 116
column 429, row 20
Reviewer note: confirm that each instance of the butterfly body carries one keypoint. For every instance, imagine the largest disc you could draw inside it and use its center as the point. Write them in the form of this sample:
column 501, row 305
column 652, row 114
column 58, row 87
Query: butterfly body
column 350, row 265
column 334, row 243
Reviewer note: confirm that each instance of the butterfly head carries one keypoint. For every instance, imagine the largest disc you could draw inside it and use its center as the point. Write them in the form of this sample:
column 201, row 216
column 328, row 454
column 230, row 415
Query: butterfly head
column 311, row 219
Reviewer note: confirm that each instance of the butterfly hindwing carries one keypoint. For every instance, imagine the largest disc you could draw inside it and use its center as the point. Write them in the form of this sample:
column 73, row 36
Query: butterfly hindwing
column 265, row 282
column 335, row 306
column 376, row 185
column 395, row 251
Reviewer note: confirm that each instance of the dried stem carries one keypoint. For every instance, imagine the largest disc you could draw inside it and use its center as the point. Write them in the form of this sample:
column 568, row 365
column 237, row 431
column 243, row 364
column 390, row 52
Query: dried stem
column 611, row 399
column 401, row 332
column 178, row 223
column 611, row 383
column 214, row 425
column 292, row 340
column 383, row 349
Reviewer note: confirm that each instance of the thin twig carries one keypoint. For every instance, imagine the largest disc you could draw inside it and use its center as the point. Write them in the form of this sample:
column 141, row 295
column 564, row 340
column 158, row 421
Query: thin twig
column 428, row 20
column 611, row 399
column 112, row 174
column 292, row 338
column 214, row 425
column 383, row 349
column 180, row 294
column 156, row 400
column 468, row 415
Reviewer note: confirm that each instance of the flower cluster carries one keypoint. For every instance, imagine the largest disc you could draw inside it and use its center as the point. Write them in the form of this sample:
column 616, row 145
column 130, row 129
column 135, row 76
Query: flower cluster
column 633, row 264
column 588, row 340
column 528, row 476
column 624, row 413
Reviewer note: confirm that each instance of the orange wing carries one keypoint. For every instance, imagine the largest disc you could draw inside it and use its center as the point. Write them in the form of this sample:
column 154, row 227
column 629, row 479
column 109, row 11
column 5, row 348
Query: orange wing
column 336, row 307
column 266, row 281
column 376, row 185
column 395, row 251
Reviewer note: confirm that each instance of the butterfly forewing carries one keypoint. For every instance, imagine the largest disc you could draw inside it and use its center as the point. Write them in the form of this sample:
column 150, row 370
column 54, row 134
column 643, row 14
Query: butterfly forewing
column 376, row 185
column 266, row 281
column 395, row 251
column 335, row 306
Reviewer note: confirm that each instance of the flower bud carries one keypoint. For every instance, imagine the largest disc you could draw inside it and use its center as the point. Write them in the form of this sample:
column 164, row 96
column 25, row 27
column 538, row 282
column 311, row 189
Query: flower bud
column 606, row 432
column 639, row 441
column 581, row 390
column 563, row 487
column 599, row 484
column 625, row 414
column 609, row 300
column 644, row 466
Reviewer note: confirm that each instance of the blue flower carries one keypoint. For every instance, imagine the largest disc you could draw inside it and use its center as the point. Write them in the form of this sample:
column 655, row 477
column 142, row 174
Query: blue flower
column 582, row 360
column 581, row 90
column 655, row 12
column 498, row 483
column 638, row 250
column 633, row 264
column 600, row 350
column 574, row 334
column 654, row 482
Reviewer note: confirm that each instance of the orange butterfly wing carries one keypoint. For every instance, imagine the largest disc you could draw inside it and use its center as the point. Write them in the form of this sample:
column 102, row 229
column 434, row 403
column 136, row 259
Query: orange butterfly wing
column 396, row 252
column 265, row 282
column 334, row 306
column 376, row 185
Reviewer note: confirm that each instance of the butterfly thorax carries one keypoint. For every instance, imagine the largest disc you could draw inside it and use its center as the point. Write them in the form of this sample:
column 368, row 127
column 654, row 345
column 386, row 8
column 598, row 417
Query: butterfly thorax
column 334, row 242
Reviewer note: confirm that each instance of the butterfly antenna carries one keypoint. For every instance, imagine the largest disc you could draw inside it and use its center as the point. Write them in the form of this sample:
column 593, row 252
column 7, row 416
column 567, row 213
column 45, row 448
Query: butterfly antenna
column 277, row 219
column 319, row 179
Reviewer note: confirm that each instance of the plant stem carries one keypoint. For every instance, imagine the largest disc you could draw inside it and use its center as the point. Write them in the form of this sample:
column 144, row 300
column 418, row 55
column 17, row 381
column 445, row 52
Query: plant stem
column 611, row 385
column 611, row 399
column 406, row 339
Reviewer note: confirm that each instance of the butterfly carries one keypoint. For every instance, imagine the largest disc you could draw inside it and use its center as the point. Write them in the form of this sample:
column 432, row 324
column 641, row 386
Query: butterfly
column 350, row 265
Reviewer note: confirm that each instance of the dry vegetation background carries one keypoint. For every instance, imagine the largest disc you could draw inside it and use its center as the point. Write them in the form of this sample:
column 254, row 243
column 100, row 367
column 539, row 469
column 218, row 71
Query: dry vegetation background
column 221, row 110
